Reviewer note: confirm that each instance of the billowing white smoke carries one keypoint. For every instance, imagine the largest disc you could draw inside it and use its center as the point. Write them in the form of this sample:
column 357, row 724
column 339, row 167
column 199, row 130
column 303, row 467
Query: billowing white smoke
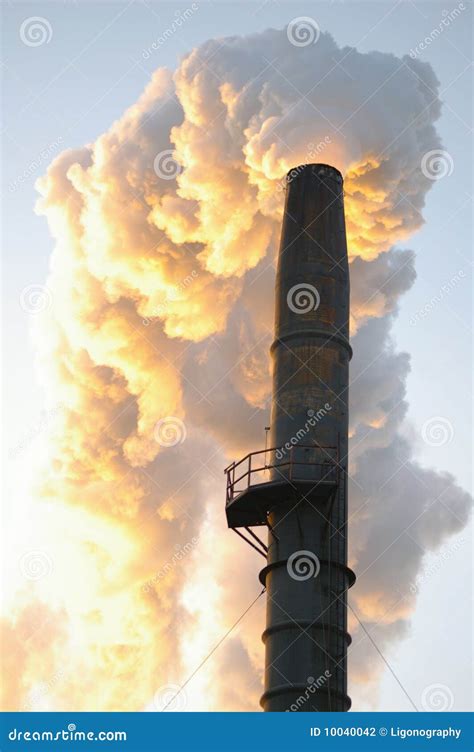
column 162, row 276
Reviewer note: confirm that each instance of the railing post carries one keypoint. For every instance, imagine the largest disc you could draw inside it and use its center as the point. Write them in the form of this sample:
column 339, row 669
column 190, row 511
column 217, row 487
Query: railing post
column 250, row 470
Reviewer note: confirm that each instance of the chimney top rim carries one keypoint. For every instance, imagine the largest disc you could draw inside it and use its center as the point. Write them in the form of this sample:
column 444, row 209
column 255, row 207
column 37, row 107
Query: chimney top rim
column 320, row 167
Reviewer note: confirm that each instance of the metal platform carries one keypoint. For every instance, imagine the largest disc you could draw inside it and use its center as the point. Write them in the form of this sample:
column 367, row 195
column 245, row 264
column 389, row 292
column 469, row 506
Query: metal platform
column 307, row 472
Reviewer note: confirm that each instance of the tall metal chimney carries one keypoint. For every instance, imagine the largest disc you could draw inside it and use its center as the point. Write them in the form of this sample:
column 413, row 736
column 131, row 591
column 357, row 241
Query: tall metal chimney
column 298, row 486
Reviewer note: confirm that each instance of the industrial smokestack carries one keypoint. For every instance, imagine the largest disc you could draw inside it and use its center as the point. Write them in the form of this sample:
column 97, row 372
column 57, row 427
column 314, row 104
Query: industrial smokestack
column 298, row 486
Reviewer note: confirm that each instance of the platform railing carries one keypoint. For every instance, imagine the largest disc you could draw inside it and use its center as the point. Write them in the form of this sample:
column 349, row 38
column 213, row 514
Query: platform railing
column 282, row 463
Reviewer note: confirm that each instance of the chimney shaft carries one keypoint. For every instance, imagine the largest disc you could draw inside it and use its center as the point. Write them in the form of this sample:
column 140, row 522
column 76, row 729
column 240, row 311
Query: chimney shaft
column 297, row 487
column 306, row 575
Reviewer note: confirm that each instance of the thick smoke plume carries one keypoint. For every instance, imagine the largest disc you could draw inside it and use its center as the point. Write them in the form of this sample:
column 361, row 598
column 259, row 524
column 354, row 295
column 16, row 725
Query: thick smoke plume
column 156, row 345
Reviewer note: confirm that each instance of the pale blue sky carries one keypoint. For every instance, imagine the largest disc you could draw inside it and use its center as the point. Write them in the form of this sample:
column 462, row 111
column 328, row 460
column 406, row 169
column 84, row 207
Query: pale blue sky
column 71, row 89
